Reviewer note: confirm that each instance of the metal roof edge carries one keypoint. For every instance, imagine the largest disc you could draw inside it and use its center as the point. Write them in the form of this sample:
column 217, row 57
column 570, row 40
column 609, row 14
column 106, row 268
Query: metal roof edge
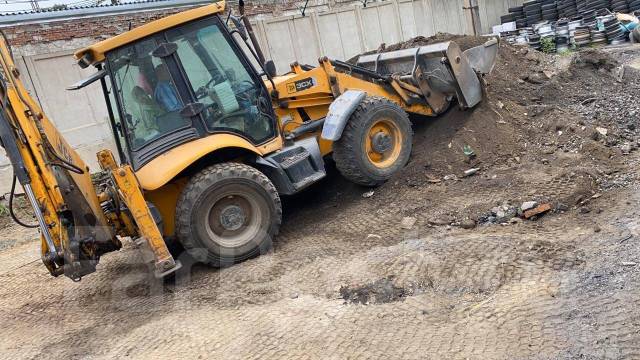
column 57, row 15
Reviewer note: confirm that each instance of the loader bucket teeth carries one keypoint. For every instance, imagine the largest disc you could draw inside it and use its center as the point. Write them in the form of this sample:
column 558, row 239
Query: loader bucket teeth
column 482, row 58
column 443, row 68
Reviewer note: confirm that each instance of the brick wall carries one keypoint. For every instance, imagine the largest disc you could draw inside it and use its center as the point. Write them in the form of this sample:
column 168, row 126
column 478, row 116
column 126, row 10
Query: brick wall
column 98, row 28
column 106, row 26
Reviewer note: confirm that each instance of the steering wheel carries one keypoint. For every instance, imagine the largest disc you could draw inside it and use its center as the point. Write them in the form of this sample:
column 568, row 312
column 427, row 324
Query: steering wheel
column 242, row 94
column 203, row 91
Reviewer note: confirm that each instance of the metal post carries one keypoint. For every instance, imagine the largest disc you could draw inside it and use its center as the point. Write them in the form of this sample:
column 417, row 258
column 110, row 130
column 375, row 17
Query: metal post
column 472, row 16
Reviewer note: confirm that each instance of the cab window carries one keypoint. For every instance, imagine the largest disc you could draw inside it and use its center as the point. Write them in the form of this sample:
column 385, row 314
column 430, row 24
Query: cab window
column 148, row 96
column 234, row 100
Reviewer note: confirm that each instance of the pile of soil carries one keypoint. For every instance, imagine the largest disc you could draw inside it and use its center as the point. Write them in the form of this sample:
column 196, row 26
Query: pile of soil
column 569, row 118
column 465, row 42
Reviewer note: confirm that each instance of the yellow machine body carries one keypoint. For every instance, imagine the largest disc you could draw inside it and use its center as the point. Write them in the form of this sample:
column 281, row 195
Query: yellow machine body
column 82, row 218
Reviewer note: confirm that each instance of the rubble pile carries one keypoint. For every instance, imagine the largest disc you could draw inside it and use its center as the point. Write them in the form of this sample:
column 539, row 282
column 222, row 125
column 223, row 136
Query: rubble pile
column 564, row 124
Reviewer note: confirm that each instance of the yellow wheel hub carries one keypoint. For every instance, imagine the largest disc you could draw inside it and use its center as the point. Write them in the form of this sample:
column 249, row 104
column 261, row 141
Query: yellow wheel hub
column 384, row 143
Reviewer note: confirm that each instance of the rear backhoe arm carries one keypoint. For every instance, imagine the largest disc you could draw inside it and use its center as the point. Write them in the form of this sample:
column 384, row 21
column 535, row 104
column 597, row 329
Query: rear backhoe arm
column 77, row 222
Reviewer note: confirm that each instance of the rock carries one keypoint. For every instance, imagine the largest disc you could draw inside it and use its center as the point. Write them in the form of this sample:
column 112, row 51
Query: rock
column 611, row 142
column 562, row 207
column 532, row 57
column 471, row 172
column 408, row 222
column 596, row 229
column 602, row 131
column 626, row 148
column 528, row 205
column 450, row 177
column 540, row 209
column 441, row 221
column 368, row 194
column 597, row 150
column 535, row 78
column 504, row 213
column 515, row 220
column 467, row 224
column 584, row 210
column 374, row 237
column 293, row 296
column 500, row 105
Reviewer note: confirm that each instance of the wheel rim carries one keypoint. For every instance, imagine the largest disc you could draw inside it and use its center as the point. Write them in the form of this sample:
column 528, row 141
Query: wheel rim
column 234, row 219
column 384, row 143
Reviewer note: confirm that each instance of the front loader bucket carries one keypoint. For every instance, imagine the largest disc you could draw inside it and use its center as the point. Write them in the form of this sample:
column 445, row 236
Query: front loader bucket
column 442, row 71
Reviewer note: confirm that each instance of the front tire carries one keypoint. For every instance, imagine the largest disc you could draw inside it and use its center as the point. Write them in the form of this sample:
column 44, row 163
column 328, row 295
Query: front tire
column 375, row 144
column 228, row 213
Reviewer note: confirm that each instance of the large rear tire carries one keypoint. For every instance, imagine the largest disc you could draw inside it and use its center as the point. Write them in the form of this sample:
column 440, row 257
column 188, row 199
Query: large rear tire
column 228, row 213
column 375, row 144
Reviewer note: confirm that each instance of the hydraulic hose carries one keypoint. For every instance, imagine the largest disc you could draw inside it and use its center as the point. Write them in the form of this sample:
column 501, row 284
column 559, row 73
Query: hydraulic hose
column 11, row 210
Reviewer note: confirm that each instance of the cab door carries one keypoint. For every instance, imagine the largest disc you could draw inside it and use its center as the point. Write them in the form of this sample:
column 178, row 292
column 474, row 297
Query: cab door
column 226, row 92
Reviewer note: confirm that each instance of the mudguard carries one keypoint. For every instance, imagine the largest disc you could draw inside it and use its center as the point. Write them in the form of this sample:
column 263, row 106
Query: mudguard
column 339, row 112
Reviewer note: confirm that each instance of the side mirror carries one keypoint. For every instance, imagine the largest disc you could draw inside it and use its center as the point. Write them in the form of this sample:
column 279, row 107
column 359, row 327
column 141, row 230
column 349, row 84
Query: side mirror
column 270, row 68
column 237, row 23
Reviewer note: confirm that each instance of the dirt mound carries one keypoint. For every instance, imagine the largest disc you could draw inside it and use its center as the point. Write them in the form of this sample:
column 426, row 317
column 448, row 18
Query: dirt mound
column 569, row 119
column 465, row 42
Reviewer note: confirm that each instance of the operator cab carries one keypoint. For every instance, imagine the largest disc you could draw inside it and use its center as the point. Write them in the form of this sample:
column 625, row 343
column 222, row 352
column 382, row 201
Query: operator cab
column 181, row 84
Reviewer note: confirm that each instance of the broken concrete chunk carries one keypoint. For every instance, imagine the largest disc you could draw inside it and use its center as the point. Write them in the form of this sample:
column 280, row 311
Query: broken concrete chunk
column 368, row 194
column 408, row 222
column 540, row 209
column 528, row 205
column 504, row 213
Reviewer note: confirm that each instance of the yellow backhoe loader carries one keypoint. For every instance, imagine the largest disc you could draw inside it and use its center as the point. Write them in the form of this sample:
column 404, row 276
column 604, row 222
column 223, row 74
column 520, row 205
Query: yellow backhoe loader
column 208, row 137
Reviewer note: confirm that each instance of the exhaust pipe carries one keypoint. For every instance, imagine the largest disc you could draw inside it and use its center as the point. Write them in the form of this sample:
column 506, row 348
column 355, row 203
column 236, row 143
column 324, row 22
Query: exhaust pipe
column 252, row 35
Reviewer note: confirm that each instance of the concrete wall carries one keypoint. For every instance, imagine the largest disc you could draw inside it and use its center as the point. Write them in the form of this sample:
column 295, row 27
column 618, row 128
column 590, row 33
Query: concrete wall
column 43, row 52
column 346, row 32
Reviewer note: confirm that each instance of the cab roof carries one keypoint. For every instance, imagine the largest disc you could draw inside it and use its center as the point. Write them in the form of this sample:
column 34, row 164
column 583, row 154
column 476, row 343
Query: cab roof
column 95, row 53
